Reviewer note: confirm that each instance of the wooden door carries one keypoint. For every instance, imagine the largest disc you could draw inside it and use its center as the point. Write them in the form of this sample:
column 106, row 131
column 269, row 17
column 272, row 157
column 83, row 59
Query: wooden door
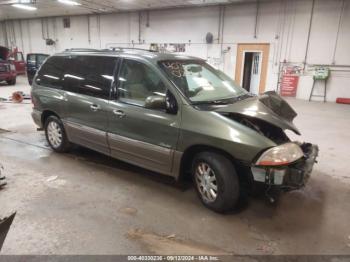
column 241, row 49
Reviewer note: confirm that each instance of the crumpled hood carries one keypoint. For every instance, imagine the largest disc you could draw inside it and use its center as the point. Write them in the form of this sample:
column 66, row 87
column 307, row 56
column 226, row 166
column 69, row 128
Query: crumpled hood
column 269, row 107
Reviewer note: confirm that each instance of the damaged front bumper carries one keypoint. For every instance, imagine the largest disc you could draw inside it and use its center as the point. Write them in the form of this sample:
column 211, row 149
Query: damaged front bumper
column 289, row 177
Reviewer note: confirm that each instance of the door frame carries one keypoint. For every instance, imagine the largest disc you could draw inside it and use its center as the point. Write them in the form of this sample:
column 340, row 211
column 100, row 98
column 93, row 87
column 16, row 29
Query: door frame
column 243, row 48
column 260, row 62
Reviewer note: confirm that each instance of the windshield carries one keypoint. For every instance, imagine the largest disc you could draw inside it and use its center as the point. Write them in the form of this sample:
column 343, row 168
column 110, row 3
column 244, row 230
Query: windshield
column 200, row 82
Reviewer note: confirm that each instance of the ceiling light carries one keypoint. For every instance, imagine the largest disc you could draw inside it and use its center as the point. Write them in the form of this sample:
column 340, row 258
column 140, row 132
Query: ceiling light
column 69, row 2
column 25, row 7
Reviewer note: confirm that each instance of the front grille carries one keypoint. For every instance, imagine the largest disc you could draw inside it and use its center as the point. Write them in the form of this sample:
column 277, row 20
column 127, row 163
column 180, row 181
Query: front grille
column 4, row 68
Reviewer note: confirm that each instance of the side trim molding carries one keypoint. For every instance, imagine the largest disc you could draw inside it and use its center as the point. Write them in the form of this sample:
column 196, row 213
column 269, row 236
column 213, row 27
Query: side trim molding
column 116, row 142
column 153, row 157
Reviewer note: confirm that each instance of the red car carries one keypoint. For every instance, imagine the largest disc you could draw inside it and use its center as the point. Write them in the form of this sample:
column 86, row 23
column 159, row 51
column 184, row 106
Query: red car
column 8, row 71
column 18, row 60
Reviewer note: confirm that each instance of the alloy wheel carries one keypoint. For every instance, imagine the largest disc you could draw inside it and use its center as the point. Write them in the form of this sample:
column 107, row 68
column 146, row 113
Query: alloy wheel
column 54, row 133
column 206, row 182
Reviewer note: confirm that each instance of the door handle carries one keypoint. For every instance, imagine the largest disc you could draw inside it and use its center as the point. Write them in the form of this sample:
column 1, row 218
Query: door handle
column 119, row 113
column 95, row 107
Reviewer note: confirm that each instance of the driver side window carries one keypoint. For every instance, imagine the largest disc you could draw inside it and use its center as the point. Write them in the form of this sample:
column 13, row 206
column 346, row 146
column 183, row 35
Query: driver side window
column 137, row 81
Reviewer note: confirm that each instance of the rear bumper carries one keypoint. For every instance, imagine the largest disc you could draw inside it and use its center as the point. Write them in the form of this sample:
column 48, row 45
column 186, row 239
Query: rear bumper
column 291, row 177
column 36, row 115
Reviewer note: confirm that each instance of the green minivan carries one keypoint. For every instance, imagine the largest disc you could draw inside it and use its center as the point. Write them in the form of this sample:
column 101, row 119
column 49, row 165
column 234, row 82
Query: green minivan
column 172, row 114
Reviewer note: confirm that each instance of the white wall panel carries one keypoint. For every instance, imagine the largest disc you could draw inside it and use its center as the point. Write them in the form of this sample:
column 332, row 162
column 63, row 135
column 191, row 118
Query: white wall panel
column 324, row 30
column 239, row 23
column 114, row 29
column 342, row 56
column 180, row 26
column 282, row 24
column 300, row 29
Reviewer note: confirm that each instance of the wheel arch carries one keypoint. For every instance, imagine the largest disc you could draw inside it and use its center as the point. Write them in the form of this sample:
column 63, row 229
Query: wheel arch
column 243, row 172
column 45, row 114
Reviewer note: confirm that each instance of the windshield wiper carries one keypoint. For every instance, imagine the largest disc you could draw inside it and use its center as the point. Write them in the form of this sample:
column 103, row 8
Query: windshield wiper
column 224, row 101
column 213, row 102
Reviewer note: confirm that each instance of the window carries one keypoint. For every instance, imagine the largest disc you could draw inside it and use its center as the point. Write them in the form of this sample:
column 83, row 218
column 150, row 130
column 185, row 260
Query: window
column 137, row 82
column 51, row 73
column 31, row 59
column 256, row 64
column 66, row 22
column 41, row 59
column 36, row 59
column 90, row 75
column 19, row 56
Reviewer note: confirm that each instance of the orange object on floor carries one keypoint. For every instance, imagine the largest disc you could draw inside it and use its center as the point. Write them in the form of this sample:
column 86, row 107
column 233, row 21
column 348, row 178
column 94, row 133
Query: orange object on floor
column 17, row 97
column 342, row 100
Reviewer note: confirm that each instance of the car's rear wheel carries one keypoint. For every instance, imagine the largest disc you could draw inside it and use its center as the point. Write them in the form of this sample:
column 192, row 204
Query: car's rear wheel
column 11, row 82
column 56, row 135
column 216, row 181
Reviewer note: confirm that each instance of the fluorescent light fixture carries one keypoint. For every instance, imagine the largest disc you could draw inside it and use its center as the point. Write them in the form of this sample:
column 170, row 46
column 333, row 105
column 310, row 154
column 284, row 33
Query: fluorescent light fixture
column 209, row 2
column 69, row 2
column 25, row 7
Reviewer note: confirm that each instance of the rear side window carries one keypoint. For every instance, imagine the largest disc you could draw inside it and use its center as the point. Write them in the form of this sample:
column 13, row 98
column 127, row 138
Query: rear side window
column 41, row 59
column 90, row 75
column 51, row 73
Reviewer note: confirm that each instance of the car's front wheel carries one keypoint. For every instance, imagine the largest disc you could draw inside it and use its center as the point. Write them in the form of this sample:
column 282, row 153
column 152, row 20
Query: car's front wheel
column 56, row 135
column 216, row 181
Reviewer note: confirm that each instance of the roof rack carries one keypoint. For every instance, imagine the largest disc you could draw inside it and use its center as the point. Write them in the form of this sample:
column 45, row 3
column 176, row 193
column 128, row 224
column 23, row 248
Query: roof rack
column 111, row 49
column 129, row 48
column 81, row 50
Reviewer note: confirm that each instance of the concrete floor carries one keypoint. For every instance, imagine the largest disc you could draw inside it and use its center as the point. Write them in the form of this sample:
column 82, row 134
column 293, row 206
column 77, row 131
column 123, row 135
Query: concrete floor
column 86, row 203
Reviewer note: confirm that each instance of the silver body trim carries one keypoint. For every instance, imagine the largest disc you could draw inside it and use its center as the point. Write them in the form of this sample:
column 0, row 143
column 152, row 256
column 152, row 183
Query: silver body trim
column 153, row 157
column 87, row 136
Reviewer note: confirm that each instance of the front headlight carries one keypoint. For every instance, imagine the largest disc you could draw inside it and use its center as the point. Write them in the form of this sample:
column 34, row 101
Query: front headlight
column 280, row 155
column 12, row 67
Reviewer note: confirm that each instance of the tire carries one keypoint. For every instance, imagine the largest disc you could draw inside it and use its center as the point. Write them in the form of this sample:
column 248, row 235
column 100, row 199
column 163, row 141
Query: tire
column 56, row 135
column 226, row 181
column 11, row 82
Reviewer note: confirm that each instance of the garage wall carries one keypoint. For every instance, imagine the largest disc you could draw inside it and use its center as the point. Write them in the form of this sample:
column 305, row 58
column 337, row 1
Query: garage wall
column 283, row 24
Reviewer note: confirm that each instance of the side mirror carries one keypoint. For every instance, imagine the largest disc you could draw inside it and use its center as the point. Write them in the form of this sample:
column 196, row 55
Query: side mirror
column 155, row 102
column 170, row 103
